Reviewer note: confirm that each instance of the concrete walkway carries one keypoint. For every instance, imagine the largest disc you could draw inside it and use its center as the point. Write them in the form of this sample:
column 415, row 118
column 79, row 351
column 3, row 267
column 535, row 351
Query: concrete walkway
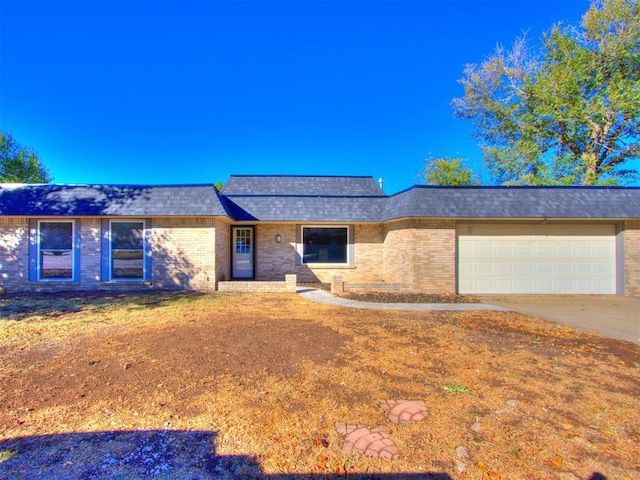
column 323, row 296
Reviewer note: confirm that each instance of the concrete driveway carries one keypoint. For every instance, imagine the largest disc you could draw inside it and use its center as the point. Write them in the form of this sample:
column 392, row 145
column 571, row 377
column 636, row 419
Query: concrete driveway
column 610, row 315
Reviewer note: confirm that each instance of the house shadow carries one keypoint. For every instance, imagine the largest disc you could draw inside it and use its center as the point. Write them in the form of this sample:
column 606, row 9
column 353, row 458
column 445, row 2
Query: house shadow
column 143, row 454
column 51, row 305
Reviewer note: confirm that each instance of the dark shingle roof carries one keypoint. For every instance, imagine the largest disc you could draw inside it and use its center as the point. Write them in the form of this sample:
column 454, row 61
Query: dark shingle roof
column 312, row 208
column 349, row 186
column 514, row 202
column 307, row 198
column 102, row 200
column 318, row 199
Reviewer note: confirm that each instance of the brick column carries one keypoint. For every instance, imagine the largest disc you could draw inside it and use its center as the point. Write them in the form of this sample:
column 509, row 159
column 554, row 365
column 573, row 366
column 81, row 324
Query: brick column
column 290, row 282
column 337, row 284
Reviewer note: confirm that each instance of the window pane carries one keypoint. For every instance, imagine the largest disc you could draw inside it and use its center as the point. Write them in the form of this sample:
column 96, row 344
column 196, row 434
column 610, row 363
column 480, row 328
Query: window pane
column 127, row 235
column 127, row 264
column 56, row 264
column 56, row 250
column 324, row 245
column 243, row 240
column 127, row 250
column 56, row 235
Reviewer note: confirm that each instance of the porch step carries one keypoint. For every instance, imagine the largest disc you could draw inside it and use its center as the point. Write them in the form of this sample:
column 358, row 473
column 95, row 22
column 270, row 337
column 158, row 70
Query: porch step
column 289, row 285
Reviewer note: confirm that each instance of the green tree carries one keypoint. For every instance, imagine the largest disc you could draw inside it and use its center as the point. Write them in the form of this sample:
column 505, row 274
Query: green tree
column 451, row 172
column 568, row 114
column 20, row 164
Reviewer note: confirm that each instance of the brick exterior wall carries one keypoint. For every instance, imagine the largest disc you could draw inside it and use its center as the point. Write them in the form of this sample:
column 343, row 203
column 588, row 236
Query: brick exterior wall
column 632, row 258
column 194, row 253
column 288, row 285
column 368, row 254
column 184, row 253
column 14, row 253
column 421, row 253
column 90, row 252
column 275, row 260
column 222, row 250
column 367, row 263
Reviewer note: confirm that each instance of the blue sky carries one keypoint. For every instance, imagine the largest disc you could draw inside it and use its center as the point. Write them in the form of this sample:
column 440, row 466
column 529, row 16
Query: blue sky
column 159, row 92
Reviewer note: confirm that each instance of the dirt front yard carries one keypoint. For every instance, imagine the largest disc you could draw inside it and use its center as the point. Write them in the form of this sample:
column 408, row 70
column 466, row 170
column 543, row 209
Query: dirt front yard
column 177, row 385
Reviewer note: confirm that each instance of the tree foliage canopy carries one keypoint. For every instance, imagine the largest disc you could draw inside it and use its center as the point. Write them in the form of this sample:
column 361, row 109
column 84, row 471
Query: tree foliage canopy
column 451, row 172
column 568, row 114
column 20, row 164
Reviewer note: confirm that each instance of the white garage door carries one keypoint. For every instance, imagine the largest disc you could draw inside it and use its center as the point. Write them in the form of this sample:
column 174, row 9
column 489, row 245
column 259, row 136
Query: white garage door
column 536, row 259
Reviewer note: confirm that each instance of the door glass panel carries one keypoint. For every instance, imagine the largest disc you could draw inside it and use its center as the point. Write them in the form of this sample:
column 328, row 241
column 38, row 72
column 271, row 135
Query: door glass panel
column 243, row 240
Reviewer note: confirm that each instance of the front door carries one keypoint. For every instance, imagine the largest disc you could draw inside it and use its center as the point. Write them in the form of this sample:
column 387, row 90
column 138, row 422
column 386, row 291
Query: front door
column 242, row 252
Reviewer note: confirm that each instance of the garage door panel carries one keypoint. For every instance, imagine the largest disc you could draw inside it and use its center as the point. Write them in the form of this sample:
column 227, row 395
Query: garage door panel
column 542, row 285
column 502, row 268
column 482, row 249
column 536, row 259
column 562, row 284
column 523, row 268
column 601, row 285
column 522, row 284
column 504, row 284
column 483, row 267
column 604, row 268
column 584, row 250
column 504, row 250
column 542, row 249
column 564, row 250
column 543, row 267
column 522, row 250
column 602, row 250
column 583, row 267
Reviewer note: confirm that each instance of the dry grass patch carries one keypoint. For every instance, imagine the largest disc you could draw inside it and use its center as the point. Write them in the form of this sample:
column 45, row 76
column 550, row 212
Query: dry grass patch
column 263, row 378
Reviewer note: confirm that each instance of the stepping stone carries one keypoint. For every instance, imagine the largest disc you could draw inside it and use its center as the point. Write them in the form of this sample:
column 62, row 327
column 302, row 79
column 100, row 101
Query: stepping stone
column 371, row 441
column 404, row 411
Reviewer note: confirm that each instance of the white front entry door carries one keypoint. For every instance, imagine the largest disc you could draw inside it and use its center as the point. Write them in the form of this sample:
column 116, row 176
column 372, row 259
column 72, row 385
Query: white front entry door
column 242, row 252
column 551, row 259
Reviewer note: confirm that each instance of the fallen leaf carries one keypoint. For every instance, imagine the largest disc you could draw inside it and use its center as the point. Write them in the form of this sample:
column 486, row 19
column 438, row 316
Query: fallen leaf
column 555, row 462
column 490, row 475
column 322, row 462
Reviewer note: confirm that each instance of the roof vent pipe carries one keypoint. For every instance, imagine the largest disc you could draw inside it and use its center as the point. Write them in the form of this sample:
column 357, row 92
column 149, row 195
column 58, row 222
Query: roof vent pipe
column 381, row 182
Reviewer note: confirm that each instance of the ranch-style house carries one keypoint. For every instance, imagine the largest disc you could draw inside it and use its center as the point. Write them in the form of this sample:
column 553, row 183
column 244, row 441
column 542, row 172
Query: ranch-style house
column 270, row 232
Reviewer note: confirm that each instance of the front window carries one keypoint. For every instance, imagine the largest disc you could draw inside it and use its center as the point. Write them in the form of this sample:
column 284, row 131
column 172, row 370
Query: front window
column 55, row 256
column 127, row 250
column 325, row 245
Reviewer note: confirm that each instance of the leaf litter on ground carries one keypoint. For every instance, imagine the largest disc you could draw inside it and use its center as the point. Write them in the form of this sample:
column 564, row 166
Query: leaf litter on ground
column 264, row 377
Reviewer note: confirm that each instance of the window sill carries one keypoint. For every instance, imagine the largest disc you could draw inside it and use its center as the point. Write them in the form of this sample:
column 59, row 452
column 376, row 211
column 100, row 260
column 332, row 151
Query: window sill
column 127, row 283
column 55, row 283
column 326, row 266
